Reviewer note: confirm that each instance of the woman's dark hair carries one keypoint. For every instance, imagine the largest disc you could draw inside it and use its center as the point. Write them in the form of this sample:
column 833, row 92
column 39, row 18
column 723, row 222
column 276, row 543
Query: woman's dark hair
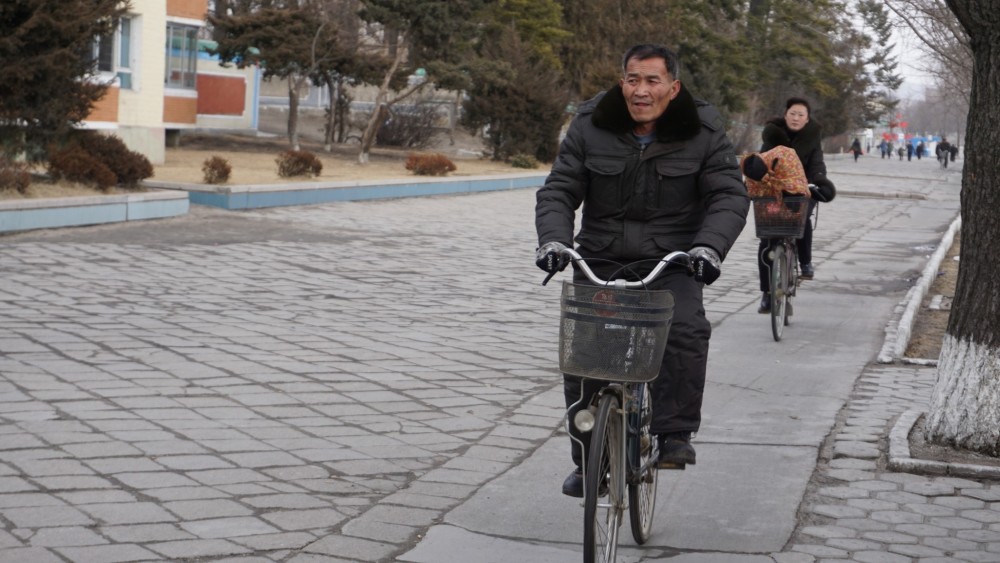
column 798, row 101
column 648, row 51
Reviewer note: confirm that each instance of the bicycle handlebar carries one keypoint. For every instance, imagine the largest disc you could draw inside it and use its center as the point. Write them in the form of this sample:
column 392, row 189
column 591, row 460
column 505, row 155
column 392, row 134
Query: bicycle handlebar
column 675, row 257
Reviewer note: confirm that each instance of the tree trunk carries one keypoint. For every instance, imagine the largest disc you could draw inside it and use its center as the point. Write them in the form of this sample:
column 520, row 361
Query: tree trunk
column 375, row 121
column 343, row 111
column 331, row 113
column 293, row 113
column 965, row 406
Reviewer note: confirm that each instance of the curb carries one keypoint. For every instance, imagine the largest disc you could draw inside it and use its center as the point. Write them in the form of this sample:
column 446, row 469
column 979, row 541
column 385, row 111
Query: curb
column 256, row 196
column 897, row 333
column 900, row 460
column 49, row 213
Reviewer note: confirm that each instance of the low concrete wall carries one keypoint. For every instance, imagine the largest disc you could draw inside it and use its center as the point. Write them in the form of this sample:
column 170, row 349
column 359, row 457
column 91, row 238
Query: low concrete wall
column 47, row 213
column 306, row 193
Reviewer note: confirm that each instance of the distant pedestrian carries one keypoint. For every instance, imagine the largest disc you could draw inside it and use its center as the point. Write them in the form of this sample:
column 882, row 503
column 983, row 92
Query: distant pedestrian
column 856, row 148
column 943, row 152
column 909, row 152
column 883, row 148
column 920, row 150
column 954, row 152
column 900, row 152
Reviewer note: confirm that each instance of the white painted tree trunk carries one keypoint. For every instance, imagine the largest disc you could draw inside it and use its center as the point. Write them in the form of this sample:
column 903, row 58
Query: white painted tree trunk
column 965, row 408
column 965, row 404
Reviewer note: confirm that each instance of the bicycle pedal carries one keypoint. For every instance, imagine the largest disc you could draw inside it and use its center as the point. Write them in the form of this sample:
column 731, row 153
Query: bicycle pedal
column 671, row 465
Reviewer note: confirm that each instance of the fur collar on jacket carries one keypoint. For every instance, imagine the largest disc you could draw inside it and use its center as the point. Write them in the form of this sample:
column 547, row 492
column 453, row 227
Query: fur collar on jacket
column 776, row 133
column 679, row 122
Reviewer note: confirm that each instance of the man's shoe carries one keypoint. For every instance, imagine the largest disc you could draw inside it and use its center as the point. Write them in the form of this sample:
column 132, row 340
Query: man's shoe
column 807, row 272
column 573, row 485
column 675, row 451
column 765, row 304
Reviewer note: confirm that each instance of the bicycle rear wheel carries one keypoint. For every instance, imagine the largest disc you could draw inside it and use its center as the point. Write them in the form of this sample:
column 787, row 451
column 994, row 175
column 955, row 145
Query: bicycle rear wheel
column 779, row 290
column 642, row 471
column 602, row 517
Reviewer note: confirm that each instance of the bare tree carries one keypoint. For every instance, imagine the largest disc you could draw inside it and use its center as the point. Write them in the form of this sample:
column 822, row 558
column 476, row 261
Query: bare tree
column 946, row 41
column 965, row 405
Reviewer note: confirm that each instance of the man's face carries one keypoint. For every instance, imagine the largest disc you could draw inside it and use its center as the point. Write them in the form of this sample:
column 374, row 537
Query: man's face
column 648, row 90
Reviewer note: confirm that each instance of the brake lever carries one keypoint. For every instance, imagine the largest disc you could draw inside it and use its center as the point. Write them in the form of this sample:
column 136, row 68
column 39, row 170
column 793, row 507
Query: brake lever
column 548, row 277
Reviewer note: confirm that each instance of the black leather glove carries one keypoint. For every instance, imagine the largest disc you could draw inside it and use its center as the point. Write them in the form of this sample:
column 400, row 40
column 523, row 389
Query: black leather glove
column 707, row 264
column 550, row 258
column 823, row 190
column 754, row 167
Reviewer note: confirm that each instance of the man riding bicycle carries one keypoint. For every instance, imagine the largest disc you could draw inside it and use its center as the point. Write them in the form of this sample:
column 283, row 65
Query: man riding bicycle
column 655, row 172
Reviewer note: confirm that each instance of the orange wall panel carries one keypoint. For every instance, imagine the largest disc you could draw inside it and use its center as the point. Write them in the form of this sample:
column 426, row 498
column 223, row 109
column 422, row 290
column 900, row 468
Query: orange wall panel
column 180, row 110
column 221, row 95
column 194, row 9
column 106, row 109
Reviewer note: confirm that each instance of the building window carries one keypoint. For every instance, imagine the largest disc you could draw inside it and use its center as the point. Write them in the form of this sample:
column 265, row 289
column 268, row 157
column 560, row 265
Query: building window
column 182, row 56
column 112, row 54
column 125, row 53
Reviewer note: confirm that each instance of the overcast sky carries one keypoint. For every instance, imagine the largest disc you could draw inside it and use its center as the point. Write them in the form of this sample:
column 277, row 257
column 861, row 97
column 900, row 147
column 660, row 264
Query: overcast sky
column 908, row 49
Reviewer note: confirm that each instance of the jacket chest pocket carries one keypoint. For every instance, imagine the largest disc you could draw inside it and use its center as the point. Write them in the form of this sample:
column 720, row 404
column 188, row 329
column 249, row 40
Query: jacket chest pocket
column 676, row 184
column 604, row 192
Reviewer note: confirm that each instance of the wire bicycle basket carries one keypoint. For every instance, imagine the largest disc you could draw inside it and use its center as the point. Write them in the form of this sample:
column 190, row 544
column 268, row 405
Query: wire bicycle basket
column 613, row 334
column 780, row 217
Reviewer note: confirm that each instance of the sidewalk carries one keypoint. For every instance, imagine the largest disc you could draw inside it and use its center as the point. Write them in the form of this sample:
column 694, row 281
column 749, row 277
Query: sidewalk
column 355, row 382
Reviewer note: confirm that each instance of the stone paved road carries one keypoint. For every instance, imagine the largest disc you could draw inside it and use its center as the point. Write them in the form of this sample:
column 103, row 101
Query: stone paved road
column 234, row 384
column 319, row 383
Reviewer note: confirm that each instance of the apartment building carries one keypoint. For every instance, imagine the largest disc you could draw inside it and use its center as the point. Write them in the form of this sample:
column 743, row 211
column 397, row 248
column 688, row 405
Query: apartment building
column 164, row 81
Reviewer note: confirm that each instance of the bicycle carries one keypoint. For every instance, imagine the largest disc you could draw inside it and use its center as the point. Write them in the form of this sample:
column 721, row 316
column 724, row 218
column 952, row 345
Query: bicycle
column 783, row 220
column 612, row 332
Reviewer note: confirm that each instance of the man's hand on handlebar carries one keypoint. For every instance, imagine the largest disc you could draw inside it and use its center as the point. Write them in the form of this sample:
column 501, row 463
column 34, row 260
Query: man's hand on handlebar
column 550, row 257
column 707, row 266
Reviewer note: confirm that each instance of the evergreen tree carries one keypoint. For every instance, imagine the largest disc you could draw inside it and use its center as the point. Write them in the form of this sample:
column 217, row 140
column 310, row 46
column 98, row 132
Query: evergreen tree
column 47, row 68
column 516, row 87
column 879, row 62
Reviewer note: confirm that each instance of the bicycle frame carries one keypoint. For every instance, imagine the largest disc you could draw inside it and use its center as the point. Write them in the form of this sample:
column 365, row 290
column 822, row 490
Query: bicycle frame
column 620, row 463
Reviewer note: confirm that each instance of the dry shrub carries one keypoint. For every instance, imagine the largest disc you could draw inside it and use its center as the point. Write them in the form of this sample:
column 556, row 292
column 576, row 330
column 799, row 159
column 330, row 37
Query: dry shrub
column 216, row 170
column 14, row 176
column 522, row 160
column 74, row 164
column 429, row 164
column 95, row 159
column 298, row 163
column 128, row 166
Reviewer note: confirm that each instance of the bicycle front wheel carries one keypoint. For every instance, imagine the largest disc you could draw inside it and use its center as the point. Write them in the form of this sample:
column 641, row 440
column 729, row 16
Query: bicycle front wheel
column 791, row 280
column 779, row 290
column 604, row 486
column 642, row 473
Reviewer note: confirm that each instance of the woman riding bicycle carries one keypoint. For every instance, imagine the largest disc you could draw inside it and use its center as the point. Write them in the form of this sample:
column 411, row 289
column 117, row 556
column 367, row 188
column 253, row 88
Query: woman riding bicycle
column 796, row 130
